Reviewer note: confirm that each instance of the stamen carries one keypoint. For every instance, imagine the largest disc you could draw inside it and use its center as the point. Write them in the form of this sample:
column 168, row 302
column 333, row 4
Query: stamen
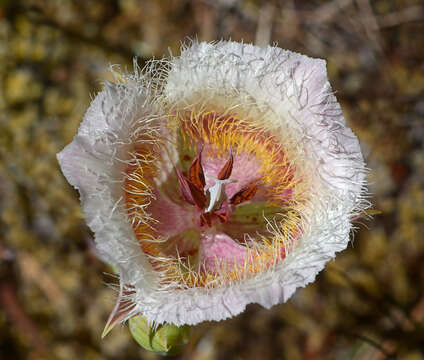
column 225, row 172
column 195, row 173
column 205, row 218
column 184, row 187
column 190, row 192
column 245, row 194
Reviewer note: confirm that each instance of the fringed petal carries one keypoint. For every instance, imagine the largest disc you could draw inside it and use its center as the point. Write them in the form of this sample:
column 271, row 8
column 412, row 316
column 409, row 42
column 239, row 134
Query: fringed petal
column 281, row 107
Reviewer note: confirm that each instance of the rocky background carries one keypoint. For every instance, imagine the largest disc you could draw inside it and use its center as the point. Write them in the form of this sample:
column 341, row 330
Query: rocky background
column 54, row 55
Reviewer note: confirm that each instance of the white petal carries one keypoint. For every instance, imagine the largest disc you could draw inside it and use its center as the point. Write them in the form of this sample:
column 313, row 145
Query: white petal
column 94, row 163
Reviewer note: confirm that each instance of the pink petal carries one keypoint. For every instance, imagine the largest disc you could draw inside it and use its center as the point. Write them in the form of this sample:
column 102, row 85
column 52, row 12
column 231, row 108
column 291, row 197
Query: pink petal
column 218, row 249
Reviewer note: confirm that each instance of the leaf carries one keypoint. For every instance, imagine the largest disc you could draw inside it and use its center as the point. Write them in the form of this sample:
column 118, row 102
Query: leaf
column 167, row 339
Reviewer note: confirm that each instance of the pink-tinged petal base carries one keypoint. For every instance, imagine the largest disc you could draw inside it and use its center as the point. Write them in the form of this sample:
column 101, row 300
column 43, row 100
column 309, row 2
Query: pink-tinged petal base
column 172, row 218
column 218, row 249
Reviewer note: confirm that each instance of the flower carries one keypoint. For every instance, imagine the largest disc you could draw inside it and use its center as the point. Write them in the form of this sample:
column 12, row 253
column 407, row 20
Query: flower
column 221, row 177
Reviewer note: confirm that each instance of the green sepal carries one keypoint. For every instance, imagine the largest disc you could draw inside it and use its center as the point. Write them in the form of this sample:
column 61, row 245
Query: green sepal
column 166, row 340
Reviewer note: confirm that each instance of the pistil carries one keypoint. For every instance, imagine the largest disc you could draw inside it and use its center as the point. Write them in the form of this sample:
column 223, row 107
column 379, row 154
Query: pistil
column 217, row 193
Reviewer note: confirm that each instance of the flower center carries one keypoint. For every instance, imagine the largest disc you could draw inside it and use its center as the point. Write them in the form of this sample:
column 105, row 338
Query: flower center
column 212, row 203
column 217, row 205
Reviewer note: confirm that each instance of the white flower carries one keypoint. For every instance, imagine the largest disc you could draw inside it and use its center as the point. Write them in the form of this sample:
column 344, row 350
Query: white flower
column 222, row 177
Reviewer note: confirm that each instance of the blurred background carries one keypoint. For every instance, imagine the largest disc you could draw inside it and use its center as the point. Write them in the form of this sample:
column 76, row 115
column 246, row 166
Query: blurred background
column 54, row 55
